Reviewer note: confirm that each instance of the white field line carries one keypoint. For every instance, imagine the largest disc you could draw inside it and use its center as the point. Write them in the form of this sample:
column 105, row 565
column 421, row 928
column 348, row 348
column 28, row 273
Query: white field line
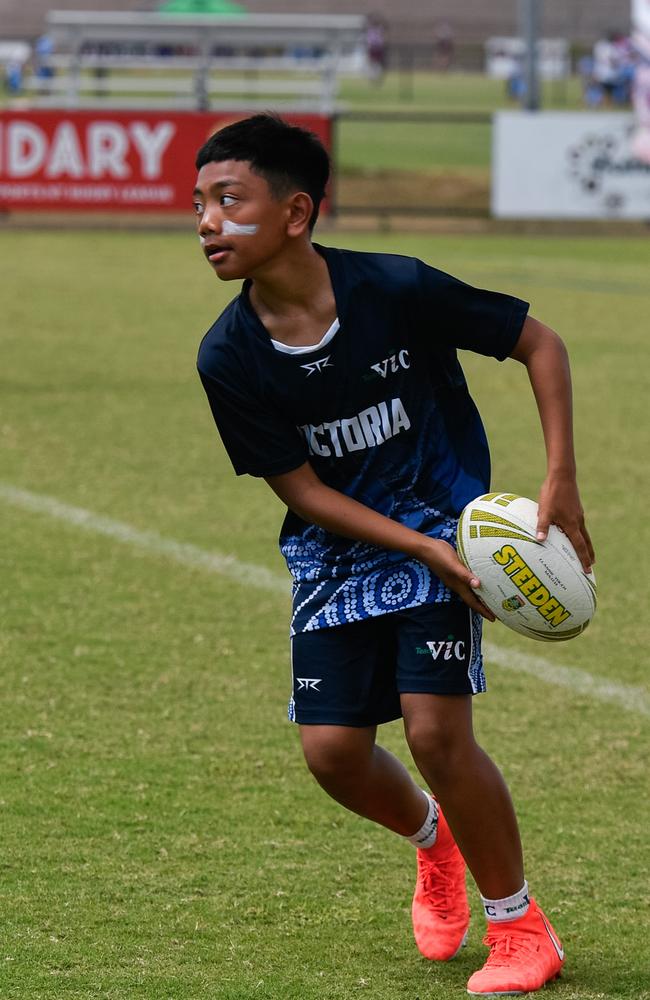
column 148, row 541
column 628, row 696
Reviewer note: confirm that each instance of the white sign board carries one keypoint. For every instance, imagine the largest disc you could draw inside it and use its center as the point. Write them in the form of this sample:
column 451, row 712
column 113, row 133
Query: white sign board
column 641, row 15
column 567, row 165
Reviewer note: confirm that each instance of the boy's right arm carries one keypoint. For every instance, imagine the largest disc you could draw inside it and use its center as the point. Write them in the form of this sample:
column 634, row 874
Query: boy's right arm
column 308, row 497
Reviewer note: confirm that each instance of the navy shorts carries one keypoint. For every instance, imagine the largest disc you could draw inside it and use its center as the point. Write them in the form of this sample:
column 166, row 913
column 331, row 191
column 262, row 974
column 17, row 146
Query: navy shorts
column 353, row 675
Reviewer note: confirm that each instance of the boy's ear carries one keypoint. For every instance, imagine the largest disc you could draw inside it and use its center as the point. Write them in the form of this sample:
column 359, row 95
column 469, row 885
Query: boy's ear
column 300, row 211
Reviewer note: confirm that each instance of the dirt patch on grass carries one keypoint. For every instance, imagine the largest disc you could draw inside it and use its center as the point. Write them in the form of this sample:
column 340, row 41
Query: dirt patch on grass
column 441, row 192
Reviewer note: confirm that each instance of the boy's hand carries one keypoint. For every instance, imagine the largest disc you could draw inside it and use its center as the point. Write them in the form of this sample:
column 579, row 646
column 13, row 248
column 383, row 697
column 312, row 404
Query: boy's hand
column 547, row 361
column 559, row 504
column 442, row 559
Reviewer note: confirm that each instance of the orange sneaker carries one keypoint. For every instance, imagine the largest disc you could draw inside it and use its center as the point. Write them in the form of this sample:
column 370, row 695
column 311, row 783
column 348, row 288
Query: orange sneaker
column 440, row 912
column 524, row 955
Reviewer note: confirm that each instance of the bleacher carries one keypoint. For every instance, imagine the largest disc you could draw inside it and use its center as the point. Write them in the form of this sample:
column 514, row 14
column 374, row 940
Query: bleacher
column 409, row 23
column 149, row 60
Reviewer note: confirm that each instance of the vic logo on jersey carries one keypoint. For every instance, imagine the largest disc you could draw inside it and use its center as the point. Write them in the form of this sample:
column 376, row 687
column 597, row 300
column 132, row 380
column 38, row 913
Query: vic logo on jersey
column 367, row 429
column 392, row 364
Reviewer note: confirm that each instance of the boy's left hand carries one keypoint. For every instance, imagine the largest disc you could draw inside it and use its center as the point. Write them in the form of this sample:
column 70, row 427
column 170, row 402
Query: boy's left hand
column 559, row 504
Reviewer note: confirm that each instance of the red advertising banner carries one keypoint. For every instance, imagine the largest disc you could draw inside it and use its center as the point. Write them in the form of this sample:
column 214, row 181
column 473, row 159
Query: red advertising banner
column 110, row 160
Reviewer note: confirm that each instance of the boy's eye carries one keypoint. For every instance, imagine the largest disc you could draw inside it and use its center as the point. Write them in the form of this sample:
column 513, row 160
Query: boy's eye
column 198, row 208
column 227, row 199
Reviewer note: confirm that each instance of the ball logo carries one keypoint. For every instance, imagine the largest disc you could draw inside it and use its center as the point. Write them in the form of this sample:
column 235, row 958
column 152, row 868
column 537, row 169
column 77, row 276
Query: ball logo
column 513, row 603
column 530, row 586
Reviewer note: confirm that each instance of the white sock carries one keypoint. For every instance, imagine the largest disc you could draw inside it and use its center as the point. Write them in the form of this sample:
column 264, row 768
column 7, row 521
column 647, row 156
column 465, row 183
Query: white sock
column 509, row 908
column 426, row 835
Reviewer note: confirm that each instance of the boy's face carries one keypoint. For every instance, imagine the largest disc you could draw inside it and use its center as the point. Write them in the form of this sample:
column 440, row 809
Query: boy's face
column 240, row 224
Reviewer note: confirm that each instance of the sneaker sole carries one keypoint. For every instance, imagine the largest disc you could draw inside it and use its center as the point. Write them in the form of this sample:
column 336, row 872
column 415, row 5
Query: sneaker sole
column 460, row 946
column 514, row 993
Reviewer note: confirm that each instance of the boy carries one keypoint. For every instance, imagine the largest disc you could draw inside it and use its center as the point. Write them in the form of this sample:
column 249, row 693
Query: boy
column 333, row 375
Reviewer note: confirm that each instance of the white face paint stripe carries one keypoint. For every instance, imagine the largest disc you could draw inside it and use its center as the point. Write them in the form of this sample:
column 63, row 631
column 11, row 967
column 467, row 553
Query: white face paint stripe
column 630, row 697
column 229, row 228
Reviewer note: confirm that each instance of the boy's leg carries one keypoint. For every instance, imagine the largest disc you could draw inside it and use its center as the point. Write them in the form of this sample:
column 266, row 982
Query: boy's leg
column 363, row 777
column 470, row 788
column 436, row 704
column 344, row 684
column 370, row 781
column 525, row 952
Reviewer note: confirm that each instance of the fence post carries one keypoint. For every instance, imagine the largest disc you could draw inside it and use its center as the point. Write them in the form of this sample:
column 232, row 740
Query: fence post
column 529, row 11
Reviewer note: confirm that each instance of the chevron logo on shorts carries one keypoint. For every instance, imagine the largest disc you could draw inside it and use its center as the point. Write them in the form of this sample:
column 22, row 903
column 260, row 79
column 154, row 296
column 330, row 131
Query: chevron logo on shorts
column 309, row 683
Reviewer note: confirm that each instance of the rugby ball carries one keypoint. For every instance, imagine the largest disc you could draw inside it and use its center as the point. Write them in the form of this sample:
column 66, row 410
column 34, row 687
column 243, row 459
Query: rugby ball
column 537, row 588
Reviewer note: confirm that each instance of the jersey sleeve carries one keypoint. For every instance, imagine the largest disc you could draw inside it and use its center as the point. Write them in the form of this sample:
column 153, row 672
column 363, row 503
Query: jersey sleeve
column 258, row 441
column 457, row 315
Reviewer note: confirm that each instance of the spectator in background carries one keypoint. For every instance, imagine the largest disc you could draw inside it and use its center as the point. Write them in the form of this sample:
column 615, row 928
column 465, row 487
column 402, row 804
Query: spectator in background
column 43, row 69
column 14, row 59
column 14, row 77
column 608, row 75
column 376, row 47
column 443, row 46
column 591, row 92
column 515, row 82
column 607, row 66
column 627, row 62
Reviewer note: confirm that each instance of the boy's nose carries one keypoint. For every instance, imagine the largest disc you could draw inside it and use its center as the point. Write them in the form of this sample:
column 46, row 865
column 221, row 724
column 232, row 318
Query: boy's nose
column 210, row 222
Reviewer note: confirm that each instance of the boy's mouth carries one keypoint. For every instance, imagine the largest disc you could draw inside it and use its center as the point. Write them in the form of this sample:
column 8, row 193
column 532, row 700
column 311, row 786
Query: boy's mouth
column 215, row 253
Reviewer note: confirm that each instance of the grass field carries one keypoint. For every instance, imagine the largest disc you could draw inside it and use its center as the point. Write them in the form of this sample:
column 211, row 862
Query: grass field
column 161, row 836
column 454, row 91
column 417, row 91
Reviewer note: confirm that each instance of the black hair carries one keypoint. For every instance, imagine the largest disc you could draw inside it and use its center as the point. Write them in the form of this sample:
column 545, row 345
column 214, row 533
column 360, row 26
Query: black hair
column 288, row 157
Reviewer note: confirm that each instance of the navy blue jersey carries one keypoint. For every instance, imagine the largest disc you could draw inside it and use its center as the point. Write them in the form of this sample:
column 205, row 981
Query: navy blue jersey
column 382, row 412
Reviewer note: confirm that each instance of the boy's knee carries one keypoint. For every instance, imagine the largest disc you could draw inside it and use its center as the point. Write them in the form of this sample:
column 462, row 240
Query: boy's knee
column 436, row 747
column 438, row 731
column 323, row 760
column 333, row 756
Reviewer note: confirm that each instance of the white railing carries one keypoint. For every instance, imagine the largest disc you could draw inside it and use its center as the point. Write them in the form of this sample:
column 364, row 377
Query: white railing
column 156, row 60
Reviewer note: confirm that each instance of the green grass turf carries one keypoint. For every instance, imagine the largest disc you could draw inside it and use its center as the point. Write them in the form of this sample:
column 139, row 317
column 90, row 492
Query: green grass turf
column 161, row 837
column 423, row 148
column 454, row 91
column 424, row 91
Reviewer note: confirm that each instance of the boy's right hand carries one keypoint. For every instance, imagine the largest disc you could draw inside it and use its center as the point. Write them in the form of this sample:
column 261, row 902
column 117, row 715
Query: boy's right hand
column 442, row 559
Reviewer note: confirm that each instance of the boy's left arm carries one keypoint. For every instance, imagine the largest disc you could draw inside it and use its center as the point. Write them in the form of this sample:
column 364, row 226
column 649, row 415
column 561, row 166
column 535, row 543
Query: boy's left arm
column 545, row 356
